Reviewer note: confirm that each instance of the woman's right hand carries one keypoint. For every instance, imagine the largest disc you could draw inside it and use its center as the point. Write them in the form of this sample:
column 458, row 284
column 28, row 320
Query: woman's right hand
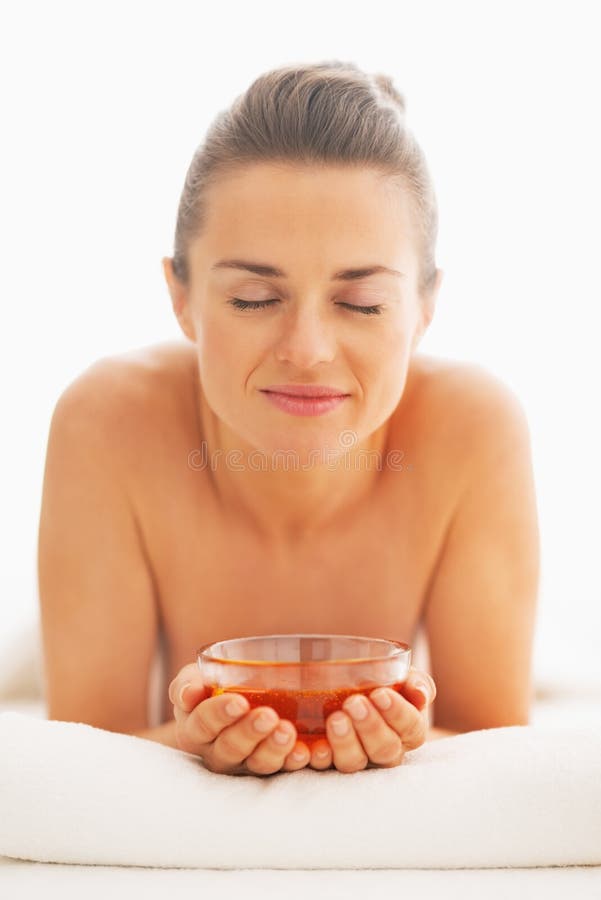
column 231, row 744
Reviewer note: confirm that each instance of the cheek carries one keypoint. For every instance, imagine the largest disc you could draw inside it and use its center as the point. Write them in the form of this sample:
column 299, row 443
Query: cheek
column 218, row 357
column 214, row 343
column 223, row 345
column 228, row 356
column 386, row 370
column 382, row 357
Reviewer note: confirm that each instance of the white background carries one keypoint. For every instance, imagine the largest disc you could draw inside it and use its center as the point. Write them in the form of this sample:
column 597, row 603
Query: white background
column 102, row 107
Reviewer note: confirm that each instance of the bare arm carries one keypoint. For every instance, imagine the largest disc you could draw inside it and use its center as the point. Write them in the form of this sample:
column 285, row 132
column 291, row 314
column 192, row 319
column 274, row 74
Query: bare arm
column 98, row 609
column 435, row 733
column 481, row 607
column 162, row 734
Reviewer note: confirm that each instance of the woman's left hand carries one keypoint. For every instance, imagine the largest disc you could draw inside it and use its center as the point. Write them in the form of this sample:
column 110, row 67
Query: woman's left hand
column 381, row 738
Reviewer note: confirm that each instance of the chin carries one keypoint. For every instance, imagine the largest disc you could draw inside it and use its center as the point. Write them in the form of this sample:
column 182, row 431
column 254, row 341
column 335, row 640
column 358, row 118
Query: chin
column 318, row 445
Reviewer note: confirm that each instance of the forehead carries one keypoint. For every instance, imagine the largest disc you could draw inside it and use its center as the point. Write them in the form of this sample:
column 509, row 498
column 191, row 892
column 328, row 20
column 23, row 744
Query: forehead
column 350, row 214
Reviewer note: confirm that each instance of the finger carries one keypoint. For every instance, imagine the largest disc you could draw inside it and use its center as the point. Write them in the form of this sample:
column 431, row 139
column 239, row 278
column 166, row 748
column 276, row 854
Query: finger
column 381, row 743
column 184, row 674
column 321, row 755
column 234, row 744
column 187, row 688
column 407, row 722
column 298, row 757
column 269, row 755
column 204, row 723
column 347, row 751
column 419, row 688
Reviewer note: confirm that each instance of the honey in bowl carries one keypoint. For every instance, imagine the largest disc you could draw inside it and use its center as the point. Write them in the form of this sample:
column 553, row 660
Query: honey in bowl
column 303, row 677
column 308, row 710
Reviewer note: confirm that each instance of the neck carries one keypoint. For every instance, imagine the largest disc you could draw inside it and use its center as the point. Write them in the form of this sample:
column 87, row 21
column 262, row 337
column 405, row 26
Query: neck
column 283, row 498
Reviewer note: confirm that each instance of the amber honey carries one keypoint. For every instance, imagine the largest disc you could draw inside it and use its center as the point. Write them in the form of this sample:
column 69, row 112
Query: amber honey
column 306, row 709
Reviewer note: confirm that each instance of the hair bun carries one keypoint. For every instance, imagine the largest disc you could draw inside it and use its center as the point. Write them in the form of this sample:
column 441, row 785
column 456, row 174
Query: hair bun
column 386, row 85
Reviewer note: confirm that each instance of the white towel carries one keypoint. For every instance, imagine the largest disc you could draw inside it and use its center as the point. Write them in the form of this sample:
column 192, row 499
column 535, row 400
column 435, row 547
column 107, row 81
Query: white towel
column 515, row 796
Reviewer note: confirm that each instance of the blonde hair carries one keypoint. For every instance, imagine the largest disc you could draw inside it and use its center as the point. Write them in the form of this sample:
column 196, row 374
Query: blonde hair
column 325, row 113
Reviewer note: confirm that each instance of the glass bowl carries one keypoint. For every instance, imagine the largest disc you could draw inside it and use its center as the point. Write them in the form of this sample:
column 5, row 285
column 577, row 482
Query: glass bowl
column 303, row 677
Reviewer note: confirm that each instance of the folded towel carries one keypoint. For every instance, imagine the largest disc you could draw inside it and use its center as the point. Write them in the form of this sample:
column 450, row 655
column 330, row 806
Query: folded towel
column 515, row 796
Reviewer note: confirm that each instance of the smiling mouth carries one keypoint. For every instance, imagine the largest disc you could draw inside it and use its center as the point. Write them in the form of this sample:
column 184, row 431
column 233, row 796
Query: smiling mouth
column 307, row 392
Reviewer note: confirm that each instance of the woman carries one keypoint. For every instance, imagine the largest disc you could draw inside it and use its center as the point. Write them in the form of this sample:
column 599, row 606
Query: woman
column 187, row 495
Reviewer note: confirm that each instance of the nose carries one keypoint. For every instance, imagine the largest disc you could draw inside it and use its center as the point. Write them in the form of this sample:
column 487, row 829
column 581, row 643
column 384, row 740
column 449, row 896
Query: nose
column 306, row 339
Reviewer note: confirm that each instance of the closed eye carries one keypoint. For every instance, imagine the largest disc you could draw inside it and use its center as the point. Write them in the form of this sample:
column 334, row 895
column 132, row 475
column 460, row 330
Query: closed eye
column 260, row 304
column 247, row 304
column 366, row 310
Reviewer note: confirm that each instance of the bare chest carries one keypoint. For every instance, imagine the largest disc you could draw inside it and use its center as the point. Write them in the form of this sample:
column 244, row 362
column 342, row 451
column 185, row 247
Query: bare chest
column 215, row 581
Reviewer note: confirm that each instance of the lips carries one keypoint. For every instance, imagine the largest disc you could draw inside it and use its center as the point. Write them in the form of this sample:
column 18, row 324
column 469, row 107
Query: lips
column 296, row 405
column 305, row 390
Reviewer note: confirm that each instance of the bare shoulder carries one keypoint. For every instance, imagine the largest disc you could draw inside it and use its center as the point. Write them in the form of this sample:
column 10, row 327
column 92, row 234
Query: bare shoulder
column 117, row 397
column 463, row 398
column 465, row 418
column 465, row 384
column 121, row 380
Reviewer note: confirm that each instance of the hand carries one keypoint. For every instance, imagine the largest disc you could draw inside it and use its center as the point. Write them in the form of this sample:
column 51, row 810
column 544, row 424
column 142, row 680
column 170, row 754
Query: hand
column 230, row 745
column 381, row 739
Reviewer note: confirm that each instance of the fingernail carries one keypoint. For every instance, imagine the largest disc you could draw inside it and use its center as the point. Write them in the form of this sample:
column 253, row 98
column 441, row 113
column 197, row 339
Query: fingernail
column 340, row 726
column 357, row 708
column 280, row 736
column 264, row 722
column 382, row 699
column 235, row 708
column 183, row 688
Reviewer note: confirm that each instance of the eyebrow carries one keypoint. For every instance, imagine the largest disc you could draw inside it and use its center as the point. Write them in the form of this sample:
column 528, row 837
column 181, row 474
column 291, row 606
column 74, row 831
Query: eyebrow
column 273, row 272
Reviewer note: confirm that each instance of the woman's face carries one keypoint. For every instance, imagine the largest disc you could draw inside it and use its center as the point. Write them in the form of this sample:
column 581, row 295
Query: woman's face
column 285, row 237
